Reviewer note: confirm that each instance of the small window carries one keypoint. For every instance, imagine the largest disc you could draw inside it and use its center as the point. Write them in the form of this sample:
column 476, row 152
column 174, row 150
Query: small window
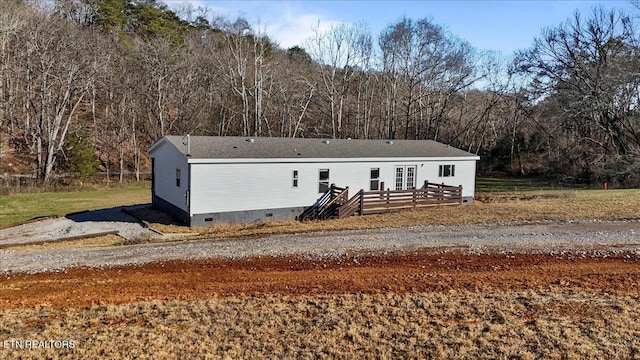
column 374, row 176
column 323, row 180
column 178, row 177
column 295, row 178
column 447, row 170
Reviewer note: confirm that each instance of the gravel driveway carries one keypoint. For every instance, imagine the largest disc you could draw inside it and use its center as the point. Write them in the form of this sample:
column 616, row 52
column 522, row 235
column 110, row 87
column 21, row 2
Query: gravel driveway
column 597, row 238
column 80, row 224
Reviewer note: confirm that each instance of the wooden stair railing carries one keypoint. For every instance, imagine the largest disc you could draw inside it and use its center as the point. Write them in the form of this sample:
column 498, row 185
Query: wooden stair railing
column 312, row 211
column 326, row 205
column 330, row 209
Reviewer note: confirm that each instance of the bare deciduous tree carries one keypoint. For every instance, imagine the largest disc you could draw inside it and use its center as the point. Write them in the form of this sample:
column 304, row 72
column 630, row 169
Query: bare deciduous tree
column 424, row 67
column 55, row 70
column 340, row 52
column 591, row 65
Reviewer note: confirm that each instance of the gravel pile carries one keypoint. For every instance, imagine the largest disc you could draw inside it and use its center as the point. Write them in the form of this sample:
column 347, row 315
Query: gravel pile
column 583, row 238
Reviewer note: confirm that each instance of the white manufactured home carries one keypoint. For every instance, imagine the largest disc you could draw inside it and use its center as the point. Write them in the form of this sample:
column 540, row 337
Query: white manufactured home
column 206, row 180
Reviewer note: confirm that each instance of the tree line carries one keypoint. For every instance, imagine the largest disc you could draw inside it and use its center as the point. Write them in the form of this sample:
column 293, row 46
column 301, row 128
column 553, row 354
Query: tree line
column 98, row 81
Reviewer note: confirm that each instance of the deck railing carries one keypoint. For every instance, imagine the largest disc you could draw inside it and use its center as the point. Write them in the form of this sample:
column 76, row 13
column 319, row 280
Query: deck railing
column 381, row 201
column 336, row 202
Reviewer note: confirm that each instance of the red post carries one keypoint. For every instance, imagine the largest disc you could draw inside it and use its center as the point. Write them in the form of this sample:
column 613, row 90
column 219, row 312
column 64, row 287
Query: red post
column 606, row 186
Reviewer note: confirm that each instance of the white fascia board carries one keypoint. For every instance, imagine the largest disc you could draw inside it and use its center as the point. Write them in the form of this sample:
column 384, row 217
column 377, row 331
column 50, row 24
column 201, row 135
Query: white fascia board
column 327, row 160
column 157, row 144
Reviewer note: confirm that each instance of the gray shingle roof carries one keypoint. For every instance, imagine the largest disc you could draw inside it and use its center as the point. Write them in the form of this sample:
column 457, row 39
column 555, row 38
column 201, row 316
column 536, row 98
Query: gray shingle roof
column 234, row 147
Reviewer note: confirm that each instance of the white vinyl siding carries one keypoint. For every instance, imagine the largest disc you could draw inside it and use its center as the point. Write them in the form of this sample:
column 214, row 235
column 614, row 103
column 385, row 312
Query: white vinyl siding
column 251, row 186
column 168, row 163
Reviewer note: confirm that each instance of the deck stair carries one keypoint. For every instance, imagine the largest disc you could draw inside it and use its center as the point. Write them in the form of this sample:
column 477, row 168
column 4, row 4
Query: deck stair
column 327, row 205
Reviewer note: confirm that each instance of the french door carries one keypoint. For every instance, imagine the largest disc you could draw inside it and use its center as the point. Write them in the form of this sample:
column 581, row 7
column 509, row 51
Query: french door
column 405, row 177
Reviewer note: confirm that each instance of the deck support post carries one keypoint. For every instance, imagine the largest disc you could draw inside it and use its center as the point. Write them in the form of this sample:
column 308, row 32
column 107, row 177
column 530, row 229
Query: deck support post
column 414, row 197
column 388, row 198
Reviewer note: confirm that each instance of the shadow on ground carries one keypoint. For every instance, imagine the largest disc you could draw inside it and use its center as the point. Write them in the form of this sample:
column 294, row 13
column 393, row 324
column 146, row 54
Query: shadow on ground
column 148, row 215
column 115, row 214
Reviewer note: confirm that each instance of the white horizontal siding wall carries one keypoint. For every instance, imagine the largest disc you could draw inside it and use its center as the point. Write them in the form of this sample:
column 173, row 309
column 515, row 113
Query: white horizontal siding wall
column 226, row 187
column 167, row 160
column 237, row 187
column 465, row 175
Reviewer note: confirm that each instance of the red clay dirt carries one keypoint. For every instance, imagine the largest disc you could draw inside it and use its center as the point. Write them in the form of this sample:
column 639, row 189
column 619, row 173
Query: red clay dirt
column 191, row 280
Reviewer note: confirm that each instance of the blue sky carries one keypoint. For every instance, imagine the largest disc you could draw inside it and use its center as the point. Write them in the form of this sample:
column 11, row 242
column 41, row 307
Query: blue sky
column 503, row 26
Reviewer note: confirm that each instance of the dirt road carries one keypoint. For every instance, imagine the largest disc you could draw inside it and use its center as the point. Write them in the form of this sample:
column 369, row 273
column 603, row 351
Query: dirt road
column 596, row 238
column 603, row 256
column 291, row 276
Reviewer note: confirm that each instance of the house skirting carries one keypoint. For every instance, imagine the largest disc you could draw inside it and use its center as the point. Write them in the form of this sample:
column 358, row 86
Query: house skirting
column 177, row 213
column 246, row 216
column 466, row 200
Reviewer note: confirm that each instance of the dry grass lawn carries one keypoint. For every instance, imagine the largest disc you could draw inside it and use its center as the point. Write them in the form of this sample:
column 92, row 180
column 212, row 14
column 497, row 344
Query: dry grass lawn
column 105, row 240
column 534, row 206
column 530, row 206
column 568, row 324
column 559, row 322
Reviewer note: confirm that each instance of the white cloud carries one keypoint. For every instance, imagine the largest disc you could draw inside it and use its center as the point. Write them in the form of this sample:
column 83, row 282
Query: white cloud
column 291, row 27
column 287, row 23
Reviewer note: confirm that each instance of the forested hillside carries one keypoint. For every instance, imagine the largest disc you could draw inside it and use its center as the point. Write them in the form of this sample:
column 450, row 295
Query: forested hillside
column 86, row 83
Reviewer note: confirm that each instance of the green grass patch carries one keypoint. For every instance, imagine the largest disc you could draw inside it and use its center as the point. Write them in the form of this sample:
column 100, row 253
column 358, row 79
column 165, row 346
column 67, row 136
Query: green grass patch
column 18, row 208
column 513, row 184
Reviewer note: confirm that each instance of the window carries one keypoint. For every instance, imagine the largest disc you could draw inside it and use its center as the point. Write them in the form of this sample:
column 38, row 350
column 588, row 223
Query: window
column 405, row 177
column 323, row 180
column 399, row 177
column 447, row 170
column 374, row 176
column 295, row 178
column 178, row 177
column 411, row 178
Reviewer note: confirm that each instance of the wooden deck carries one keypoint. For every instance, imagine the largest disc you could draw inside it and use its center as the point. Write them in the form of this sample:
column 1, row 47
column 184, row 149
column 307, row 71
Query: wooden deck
column 336, row 202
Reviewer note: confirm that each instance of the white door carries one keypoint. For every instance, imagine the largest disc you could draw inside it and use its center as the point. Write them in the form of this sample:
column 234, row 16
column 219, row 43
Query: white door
column 405, row 177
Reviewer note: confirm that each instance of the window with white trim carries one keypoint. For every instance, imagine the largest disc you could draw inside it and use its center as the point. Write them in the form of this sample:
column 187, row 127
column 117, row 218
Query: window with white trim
column 374, row 179
column 399, row 177
column 178, row 177
column 323, row 180
column 411, row 178
column 295, row 179
column 447, row 171
column 405, row 177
